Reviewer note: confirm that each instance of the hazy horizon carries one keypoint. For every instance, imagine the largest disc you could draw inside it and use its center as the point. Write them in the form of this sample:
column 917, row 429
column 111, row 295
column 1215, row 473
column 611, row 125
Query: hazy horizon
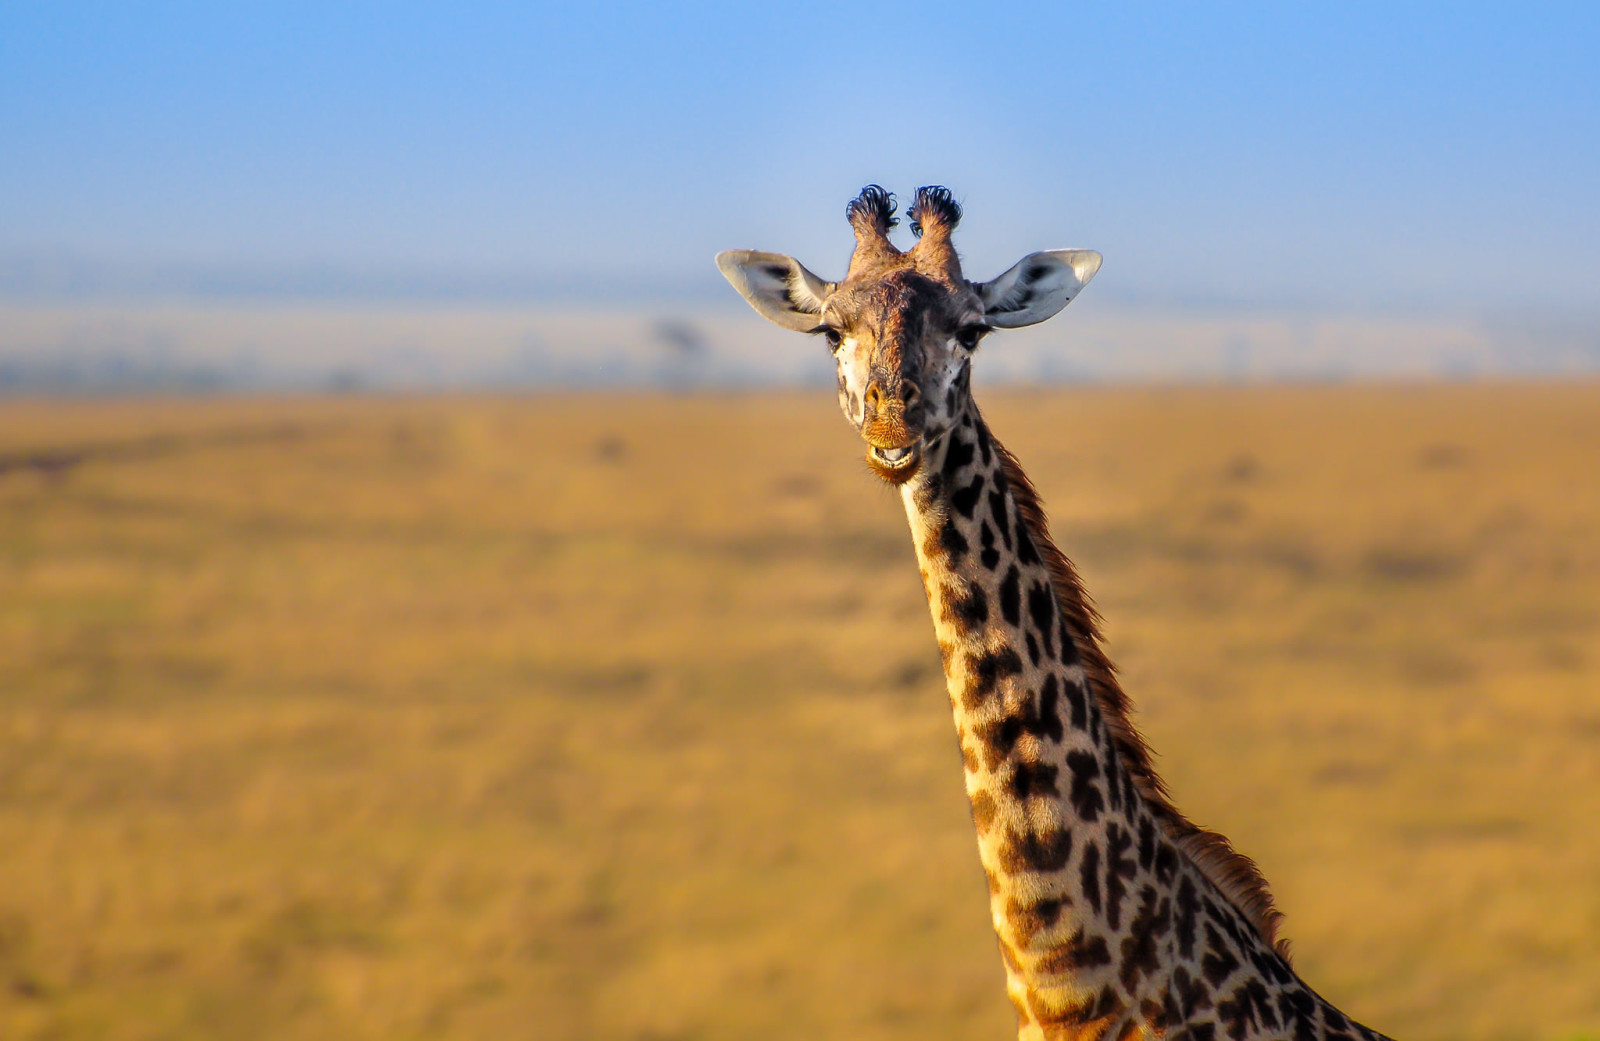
column 1426, row 167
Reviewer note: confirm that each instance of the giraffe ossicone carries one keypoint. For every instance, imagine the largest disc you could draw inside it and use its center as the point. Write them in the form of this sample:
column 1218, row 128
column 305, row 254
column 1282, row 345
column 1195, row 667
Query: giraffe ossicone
column 1117, row 917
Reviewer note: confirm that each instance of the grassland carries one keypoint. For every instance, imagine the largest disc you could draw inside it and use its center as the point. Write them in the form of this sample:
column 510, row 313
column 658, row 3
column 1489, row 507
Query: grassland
column 620, row 717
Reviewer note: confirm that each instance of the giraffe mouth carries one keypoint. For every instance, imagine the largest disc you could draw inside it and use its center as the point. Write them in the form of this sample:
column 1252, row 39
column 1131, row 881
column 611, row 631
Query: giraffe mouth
column 894, row 464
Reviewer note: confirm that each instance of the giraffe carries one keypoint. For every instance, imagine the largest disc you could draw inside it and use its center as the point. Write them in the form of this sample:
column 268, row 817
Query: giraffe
column 1117, row 917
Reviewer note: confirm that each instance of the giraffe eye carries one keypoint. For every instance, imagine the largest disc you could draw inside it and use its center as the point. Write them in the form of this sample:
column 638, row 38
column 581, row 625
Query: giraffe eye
column 834, row 338
column 969, row 335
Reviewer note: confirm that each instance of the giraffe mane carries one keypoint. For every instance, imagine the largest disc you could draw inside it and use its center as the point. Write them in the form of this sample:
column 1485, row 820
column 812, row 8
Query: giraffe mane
column 1234, row 874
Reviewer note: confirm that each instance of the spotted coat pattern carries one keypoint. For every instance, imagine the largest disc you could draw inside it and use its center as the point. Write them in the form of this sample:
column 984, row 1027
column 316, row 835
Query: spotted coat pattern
column 1117, row 918
column 1107, row 928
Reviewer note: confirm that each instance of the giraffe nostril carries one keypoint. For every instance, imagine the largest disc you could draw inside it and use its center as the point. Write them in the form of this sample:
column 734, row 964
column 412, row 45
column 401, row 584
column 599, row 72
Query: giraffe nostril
column 909, row 393
column 874, row 396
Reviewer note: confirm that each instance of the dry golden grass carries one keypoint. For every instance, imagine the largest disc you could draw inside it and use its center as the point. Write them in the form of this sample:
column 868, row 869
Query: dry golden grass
column 620, row 717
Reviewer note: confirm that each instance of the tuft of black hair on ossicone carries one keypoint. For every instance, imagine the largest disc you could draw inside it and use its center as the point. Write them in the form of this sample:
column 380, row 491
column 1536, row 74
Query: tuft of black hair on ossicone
column 876, row 206
column 934, row 202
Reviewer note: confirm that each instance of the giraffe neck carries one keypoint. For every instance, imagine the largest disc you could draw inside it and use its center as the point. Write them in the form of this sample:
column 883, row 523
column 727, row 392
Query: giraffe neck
column 1106, row 919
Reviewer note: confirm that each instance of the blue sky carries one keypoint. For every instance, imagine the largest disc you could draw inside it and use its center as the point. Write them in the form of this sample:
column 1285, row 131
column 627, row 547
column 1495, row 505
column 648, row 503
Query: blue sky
column 1436, row 157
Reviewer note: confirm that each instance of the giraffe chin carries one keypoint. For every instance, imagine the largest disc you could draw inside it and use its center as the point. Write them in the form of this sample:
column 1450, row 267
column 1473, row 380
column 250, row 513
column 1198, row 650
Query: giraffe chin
column 895, row 465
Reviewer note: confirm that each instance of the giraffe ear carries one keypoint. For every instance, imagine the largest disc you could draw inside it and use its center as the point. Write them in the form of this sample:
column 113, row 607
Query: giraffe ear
column 779, row 287
column 1037, row 287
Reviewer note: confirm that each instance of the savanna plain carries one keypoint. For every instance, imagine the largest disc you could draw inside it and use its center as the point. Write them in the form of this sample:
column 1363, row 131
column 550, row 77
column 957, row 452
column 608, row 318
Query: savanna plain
column 620, row 717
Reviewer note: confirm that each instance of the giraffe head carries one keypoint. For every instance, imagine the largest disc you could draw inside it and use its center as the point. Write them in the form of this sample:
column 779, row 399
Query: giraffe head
column 903, row 326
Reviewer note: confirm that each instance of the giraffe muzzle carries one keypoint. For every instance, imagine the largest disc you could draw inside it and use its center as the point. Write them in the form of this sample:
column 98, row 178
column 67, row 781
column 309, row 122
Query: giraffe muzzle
column 892, row 427
column 894, row 447
column 895, row 465
column 893, row 458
